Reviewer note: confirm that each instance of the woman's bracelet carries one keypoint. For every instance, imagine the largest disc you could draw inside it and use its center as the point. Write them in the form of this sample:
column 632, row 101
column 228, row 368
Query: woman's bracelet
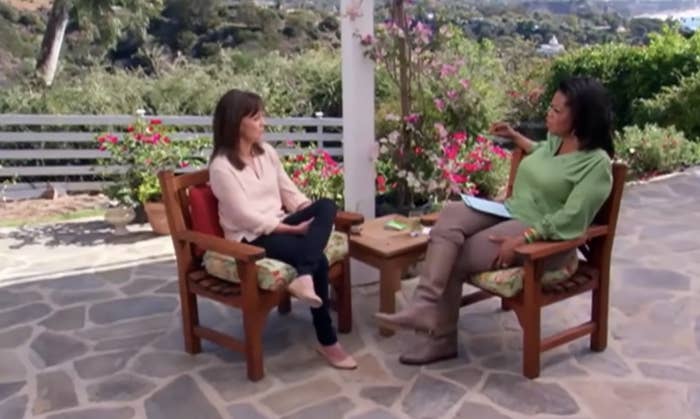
column 530, row 235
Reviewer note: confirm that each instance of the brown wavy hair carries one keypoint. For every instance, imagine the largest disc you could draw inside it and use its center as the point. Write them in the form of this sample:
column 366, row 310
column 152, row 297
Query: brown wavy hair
column 233, row 106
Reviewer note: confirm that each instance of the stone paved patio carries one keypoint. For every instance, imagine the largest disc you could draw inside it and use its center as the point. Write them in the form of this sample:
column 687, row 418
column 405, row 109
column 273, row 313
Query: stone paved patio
column 89, row 328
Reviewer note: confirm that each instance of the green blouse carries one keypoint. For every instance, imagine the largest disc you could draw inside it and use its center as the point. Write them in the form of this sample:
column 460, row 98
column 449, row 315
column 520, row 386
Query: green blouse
column 559, row 195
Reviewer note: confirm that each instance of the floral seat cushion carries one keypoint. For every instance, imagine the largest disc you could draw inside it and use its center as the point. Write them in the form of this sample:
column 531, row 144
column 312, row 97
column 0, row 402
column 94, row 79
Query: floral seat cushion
column 272, row 273
column 509, row 282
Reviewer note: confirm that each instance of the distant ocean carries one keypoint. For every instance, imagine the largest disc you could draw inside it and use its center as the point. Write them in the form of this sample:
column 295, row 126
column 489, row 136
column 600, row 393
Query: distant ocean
column 689, row 18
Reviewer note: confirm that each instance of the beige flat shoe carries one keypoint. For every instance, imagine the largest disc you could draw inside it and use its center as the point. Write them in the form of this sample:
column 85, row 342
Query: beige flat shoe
column 337, row 358
column 303, row 289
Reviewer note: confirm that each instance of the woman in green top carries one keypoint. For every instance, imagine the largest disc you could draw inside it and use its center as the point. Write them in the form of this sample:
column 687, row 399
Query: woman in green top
column 559, row 187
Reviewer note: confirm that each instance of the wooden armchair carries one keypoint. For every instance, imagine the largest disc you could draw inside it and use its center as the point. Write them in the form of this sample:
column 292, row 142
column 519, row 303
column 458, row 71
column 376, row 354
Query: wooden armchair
column 255, row 303
column 593, row 274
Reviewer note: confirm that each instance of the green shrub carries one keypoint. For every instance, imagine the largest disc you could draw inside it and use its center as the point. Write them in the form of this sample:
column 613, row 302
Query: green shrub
column 630, row 72
column 653, row 150
column 294, row 86
column 9, row 13
column 675, row 105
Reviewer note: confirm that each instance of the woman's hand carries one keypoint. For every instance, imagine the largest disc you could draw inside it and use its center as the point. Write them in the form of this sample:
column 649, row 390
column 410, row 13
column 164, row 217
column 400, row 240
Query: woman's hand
column 506, row 255
column 502, row 129
column 303, row 205
column 303, row 227
column 299, row 229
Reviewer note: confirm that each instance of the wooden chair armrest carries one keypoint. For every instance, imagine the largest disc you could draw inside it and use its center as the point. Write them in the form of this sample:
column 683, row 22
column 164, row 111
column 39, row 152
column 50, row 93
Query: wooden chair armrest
column 344, row 220
column 542, row 249
column 240, row 251
column 539, row 250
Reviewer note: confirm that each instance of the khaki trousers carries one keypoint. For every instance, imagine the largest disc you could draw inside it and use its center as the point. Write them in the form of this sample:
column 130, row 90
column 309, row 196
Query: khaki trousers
column 460, row 246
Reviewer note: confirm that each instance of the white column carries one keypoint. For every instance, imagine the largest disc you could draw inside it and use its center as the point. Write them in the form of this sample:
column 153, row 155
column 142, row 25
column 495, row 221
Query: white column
column 357, row 17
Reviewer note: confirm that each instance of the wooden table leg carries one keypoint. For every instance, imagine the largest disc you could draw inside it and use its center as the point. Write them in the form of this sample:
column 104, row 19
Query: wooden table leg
column 389, row 283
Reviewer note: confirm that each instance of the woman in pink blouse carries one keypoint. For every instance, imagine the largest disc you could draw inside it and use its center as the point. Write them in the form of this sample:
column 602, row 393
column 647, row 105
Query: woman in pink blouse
column 260, row 205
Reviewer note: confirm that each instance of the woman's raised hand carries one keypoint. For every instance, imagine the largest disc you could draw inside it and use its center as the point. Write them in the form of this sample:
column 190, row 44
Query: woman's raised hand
column 502, row 129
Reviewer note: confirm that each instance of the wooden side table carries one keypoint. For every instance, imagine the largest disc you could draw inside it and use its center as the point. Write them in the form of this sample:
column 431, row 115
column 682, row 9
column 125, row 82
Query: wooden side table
column 390, row 251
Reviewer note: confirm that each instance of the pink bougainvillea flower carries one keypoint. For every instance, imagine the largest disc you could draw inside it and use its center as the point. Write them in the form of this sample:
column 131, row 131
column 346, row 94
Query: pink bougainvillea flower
column 103, row 147
column 439, row 104
column 447, row 70
column 452, row 94
column 102, row 139
column 465, row 83
column 418, row 150
column 155, row 138
column 480, row 139
column 442, row 132
column 184, row 164
column 112, row 139
column 424, row 32
column 166, row 140
column 300, row 157
column 130, row 128
column 290, row 143
column 460, row 137
column 412, row 118
column 156, row 122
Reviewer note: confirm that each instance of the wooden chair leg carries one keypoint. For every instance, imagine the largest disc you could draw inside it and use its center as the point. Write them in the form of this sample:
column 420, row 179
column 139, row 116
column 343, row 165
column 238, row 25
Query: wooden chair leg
column 285, row 306
column 599, row 315
column 504, row 305
column 190, row 319
column 343, row 295
column 253, row 324
column 531, row 342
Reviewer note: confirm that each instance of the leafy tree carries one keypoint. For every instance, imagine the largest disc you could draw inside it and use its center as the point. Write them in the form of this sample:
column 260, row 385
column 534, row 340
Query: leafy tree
column 106, row 18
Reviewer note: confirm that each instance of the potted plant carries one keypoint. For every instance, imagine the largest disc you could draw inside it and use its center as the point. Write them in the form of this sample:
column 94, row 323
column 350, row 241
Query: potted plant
column 145, row 149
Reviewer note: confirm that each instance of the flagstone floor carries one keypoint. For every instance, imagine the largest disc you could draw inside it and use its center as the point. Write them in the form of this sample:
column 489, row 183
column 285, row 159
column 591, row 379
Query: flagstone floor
column 90, row 328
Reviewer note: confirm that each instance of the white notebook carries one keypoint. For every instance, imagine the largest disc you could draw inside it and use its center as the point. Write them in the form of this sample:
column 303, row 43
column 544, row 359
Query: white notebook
column 484, row 205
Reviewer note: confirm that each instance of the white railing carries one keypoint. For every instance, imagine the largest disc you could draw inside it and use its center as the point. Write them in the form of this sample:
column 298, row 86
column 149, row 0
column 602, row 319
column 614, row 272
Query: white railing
column 61, row 149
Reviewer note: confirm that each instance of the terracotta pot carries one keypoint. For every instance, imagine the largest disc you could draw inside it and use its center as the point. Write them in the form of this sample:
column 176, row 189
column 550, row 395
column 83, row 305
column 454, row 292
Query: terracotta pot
column 155, row 212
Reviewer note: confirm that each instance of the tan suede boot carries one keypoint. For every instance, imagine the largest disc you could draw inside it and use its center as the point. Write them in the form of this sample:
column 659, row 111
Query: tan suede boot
column 424, row 313
column 429, row 349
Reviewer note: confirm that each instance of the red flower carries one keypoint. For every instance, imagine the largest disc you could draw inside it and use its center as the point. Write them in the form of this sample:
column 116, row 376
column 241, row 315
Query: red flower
column 166, row 140
column 112, row 139
column 155, row 122
column 130, row 128
column 155, row 138
column 184, row 164
column 418, row 150
column 147, row 161
column 102, row 139
column 103, row 147
column 381, row 183
column 460, row 136
column 300, row 157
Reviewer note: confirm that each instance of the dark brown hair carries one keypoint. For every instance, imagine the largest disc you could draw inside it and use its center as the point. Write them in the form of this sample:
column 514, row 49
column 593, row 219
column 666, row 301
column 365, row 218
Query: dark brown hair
column 591, row 108
column 230, row 111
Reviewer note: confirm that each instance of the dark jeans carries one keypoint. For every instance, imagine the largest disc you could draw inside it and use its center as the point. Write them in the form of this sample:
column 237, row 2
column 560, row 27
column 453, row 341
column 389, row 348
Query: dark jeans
column 305, row 254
